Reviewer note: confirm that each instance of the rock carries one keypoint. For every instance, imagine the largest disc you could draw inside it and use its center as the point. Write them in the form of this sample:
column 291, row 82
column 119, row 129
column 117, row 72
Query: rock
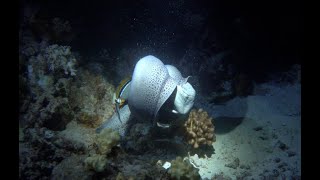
column 258, row 128
column 277, row 160
column 48, row 134
column 243, row 175
column 233, row 164
column 275, row 173
column 244, row 166
column 291, row 153
column 220, row 176
column 282, row 166
column 71, row 168
column 274, row 136
column 263, row 137
column 282, row 146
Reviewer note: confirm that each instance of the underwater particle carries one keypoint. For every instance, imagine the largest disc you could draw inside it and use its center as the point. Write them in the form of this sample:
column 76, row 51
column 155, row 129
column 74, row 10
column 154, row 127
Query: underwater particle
column 183, row 170
column 199, row 128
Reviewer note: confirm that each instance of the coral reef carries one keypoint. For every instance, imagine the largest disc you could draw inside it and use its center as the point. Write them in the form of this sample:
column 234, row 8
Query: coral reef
column 93, row 109
column 71, row 168
column 52, row 97
column 107, row 139
column 49, row 75
column 96, row 162
column 77, row 135
column 181, row 169
column 138, row 167
column 60, row 57
column 41, row 150
column 120, row 176
column 199, row 128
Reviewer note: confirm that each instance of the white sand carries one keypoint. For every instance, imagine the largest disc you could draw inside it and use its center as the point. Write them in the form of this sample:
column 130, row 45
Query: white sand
column 277, row 110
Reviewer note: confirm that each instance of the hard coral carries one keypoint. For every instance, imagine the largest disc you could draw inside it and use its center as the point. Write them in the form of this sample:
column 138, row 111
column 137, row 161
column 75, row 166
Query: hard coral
column 89, row 119
column 96, row 162
column 200, row 129
column 106, row 140
column 93, row 109
column 183, row 170
column 47, row 85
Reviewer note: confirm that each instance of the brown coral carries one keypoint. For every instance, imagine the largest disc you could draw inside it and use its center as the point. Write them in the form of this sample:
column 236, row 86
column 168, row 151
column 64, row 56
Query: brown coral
column 181, row 169
column 200, row 129
column 91, row 98
column 89, row 119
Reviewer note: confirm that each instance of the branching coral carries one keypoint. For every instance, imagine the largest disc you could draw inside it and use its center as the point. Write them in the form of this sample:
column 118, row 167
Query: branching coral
column 183, row 170
column 200, row 129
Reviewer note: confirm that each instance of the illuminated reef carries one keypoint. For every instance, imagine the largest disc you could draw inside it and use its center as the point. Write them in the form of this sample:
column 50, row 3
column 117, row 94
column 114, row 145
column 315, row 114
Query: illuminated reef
column 200, row 129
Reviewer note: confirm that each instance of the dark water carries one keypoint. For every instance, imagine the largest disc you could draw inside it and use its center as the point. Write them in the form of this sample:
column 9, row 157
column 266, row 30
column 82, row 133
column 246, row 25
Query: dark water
column 228, row 47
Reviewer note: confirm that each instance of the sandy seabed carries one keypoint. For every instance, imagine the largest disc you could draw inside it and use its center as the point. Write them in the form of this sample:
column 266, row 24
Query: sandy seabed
column 256, row 136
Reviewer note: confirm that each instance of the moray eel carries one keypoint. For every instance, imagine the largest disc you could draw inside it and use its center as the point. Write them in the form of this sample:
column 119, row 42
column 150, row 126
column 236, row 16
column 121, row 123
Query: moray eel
column 114, row 123
column 151, row 85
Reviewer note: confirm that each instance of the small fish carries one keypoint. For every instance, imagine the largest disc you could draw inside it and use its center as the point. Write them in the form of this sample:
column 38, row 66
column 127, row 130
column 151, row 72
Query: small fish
column 121, row 95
